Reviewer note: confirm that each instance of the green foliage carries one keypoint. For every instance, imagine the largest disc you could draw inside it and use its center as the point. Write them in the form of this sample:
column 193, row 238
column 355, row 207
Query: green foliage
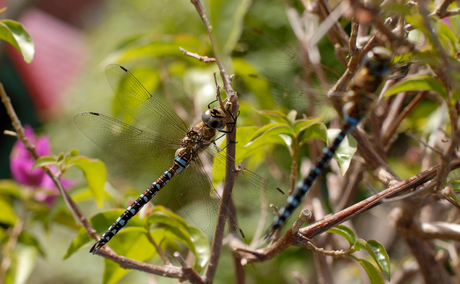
column 417, row 82
column 14, row 33
column 375, row 250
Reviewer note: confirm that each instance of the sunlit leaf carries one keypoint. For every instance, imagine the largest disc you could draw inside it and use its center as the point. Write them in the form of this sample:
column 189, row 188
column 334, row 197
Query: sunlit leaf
column 417, row 82
column 7, row 216
column 315, row 131
column 346, row 150
column 95, row 174
column 381, row 257
column 372, row 272
column 9, row 187
column 14, row 33
column 275, row 115
column 345, row 232
column 26, row 260
column 101, row 222
column 44, row 161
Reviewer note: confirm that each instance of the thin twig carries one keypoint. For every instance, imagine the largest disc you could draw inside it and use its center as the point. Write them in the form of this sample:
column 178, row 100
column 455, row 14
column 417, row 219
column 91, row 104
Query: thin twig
column 204, row 59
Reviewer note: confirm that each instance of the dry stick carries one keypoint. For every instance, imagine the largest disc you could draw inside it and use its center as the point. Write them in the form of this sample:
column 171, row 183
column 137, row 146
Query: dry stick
column 204, row 59
column 292, row 239
column 392, row 129
column 73, row 207
column 230, row 166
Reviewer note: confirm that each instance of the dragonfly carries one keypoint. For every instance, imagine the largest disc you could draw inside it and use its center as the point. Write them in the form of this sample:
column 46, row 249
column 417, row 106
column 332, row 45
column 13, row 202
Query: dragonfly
column 376, row 65
column 189, row 150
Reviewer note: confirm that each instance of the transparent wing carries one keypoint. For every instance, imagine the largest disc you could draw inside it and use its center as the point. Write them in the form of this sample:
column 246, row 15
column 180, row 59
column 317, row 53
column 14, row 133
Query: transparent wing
column 197, row 196
column 141, row 149
column 141, row 105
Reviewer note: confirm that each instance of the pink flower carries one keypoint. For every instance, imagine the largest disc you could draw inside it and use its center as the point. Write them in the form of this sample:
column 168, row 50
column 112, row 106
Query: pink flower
column 21, row 162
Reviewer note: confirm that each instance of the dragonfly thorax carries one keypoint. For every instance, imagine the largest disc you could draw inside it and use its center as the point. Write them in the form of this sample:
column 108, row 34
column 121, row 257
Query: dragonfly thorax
column 214, row 118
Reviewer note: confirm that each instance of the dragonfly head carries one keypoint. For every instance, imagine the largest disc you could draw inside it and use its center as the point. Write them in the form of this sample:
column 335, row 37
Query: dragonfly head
column 214, row 118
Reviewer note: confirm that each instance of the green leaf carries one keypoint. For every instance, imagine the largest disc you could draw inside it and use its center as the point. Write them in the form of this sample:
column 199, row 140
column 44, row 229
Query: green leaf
column 345, row 232
column 27, row 239
column 73, row 152
column 454, row 196
column 275, row 115
column 377, row 252
column 315, row 131
column 227, row 22
column 9, row 187
column 270, row 136
column 14, row 33
column 95, row 174
column 381, row 257
column 101, row 222
column 7, row 216
column 26, row 260
column 417, row 82
column 179, row 230
column 44, row 161
column 132, row 243
column 302, row 124
column 456, row 185
column 346, row 150
column 372, row 272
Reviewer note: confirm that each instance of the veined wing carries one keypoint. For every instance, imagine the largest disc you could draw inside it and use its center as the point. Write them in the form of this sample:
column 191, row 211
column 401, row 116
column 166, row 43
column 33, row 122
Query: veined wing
column 141, row 149
column 141, row 105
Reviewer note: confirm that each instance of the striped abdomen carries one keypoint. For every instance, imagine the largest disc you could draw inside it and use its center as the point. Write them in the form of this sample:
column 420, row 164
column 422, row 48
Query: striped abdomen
column 180, row 163
column 295, row 198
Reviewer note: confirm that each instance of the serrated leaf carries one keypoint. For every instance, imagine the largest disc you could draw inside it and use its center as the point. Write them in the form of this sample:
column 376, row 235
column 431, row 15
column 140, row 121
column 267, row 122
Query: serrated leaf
column 372, row 272
column 9, row 187
column 44, row 161
column 14, row 33
column 345, row 232
column 95, row 174
column 417, row 82
column 7, row 216
column 346, row 150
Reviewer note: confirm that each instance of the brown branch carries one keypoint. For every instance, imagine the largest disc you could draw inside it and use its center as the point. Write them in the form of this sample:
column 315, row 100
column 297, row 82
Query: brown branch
column 77, row 214
column 204, row 59
column 292, row 239
column 230, row 174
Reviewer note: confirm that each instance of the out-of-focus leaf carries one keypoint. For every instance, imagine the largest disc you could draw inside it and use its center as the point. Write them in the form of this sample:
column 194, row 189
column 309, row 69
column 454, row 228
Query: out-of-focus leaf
column 14, row 33
column 9, row 187
column 417, row 82
column 27, row 239
column 271, row 137
column 132, row 243
column 26, row 259
column 74, row 152
column 275, row 115
column 316, row 131
column 101, row 222
column 7, row 216
column 345, row 232
column 95, row 174
column 372, row 272
column 456, row 185
column 227, row 21
column 301, row 125
column 44, row 161
column 179, row 230
column 346, row 150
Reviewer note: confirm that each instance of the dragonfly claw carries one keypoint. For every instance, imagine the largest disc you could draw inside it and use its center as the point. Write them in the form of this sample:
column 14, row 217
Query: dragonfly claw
column 97, row 246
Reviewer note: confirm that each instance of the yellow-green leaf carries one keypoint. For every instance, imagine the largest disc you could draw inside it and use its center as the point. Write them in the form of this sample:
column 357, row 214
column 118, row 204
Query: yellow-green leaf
column 14, row 33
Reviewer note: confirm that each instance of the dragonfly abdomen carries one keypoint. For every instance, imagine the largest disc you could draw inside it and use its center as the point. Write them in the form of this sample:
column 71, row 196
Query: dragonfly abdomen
column 180, row 163
column 322, row 162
